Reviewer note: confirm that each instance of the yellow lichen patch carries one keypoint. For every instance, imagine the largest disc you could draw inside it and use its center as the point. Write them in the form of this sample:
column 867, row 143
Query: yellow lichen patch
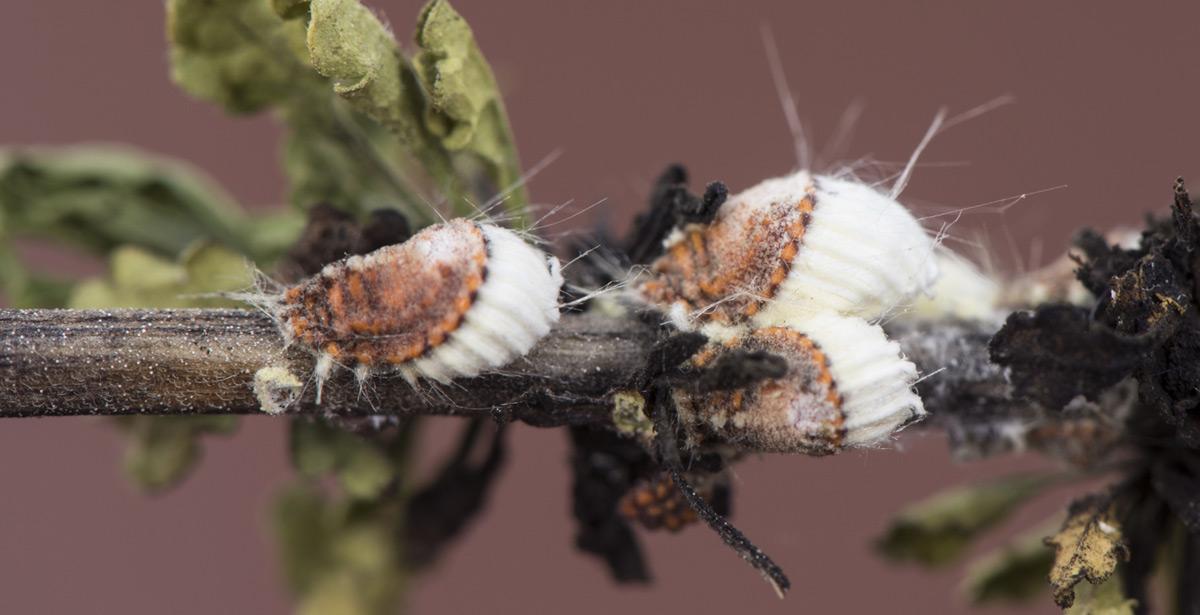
column 629, row 414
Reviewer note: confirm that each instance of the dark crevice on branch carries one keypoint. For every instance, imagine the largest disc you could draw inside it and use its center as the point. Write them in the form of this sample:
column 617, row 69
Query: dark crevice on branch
column 175, row 362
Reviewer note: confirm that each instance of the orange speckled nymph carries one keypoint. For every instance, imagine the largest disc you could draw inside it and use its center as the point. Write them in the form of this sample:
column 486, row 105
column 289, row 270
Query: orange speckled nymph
column 801, row 411
column 392, row 305
column 724, row 272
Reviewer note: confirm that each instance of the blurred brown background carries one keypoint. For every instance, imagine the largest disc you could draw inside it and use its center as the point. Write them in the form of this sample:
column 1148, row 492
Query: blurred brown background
column 1106, row 103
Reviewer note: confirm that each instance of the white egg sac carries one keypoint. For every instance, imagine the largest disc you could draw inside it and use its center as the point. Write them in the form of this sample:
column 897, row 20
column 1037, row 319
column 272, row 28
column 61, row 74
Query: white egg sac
column 846, row 386
column 791, row 248
column 862, row 254
column 963, row 291
column 453, row 301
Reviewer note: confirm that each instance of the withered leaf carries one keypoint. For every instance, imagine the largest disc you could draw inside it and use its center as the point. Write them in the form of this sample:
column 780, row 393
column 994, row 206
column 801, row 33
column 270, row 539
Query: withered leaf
column 939, row 529
column 1088, row 546
column 1013, row 573
column 163, row 450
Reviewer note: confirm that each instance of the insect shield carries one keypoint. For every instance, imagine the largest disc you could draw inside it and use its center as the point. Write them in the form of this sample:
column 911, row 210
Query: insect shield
column 790, row 248
column 846, row 385
column 799, row 266
column 455, row 300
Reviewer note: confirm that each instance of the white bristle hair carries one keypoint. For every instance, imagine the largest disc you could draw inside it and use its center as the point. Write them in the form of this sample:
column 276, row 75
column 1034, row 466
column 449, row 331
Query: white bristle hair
column 873, row 378
column 862, row 254
column 515, row 307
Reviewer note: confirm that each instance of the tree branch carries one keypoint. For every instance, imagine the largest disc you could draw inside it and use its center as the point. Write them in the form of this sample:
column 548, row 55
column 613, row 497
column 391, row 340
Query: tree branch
column 176, row 362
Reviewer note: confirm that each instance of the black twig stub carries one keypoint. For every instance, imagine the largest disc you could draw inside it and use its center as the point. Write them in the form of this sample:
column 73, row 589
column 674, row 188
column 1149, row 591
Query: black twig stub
column 671, row 205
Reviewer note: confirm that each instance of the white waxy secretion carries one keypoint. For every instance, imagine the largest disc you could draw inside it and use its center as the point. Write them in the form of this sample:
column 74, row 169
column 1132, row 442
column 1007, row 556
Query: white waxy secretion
column 514, row 309
column 862, row 254
column 874, row 379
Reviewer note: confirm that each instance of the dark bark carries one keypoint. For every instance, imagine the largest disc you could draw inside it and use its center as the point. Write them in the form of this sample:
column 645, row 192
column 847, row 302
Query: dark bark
column 114, row 362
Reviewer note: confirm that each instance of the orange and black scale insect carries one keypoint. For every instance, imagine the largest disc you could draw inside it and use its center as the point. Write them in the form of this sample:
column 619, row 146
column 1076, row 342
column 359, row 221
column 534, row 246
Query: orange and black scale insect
column 802, row 411
column 454, row 300
column 725, row 271
column 657, row 503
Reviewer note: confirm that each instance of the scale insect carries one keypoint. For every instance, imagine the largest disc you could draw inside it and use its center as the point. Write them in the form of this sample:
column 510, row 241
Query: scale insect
column 845, row 386
column 455, row 300
column 789, row 249
column 769, row 302
column 802, row 266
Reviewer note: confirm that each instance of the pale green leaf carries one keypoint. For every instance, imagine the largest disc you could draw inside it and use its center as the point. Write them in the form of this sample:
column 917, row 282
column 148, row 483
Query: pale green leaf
column 234, row 52
column 350, row 46
column 242, row 55
column 139, row 279
column 938, row 530
column 466, row 111
column 1103, row 599
column 362, row 467
column 1015, row 572
column 162, row 450
column 100, row 197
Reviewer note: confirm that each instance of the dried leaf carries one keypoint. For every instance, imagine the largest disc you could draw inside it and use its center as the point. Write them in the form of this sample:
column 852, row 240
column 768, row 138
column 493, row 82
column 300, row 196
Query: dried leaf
column 937, row 531
column 1087, row 547
column 1177, row 481
column 466, row 111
